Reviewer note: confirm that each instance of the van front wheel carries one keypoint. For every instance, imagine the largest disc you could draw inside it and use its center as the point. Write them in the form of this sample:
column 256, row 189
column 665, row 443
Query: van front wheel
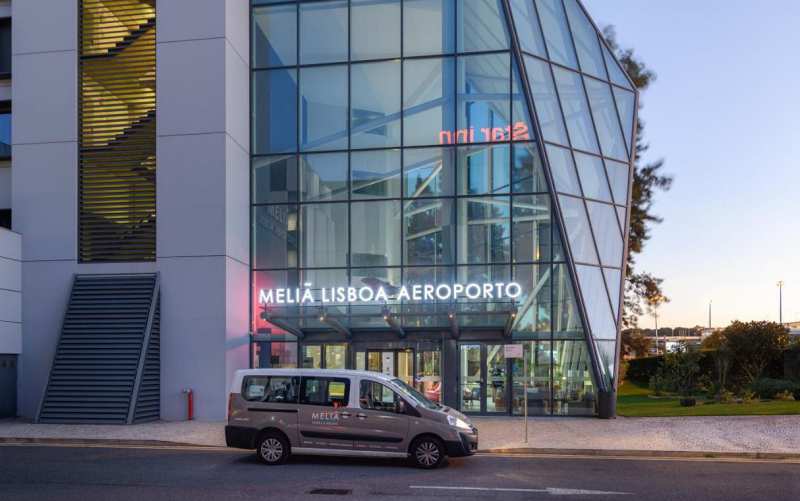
column 427, row 452
column 272, row 449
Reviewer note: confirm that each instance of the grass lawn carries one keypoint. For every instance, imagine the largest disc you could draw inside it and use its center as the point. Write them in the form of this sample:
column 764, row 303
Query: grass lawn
column 633, row 401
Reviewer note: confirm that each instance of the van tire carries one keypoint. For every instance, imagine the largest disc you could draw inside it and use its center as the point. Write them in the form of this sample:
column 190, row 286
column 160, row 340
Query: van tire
column 272, row 448
column 427, row 452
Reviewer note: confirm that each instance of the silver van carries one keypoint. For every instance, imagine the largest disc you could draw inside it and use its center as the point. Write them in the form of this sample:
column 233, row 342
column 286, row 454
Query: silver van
column 278, row 412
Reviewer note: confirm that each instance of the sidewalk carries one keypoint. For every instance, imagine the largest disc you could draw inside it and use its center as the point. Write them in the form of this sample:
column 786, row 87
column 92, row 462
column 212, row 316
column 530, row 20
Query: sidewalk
column 740, row 434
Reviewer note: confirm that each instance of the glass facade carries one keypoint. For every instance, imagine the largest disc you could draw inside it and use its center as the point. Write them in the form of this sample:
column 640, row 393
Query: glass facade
column 412, row 142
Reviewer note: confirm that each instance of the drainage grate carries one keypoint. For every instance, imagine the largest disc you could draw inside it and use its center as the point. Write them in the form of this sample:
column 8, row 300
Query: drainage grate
column 331, row 492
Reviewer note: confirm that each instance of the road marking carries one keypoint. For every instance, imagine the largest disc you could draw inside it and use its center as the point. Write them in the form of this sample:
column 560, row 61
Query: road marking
column 641, row 458
column 198, row 448
column 553, row 491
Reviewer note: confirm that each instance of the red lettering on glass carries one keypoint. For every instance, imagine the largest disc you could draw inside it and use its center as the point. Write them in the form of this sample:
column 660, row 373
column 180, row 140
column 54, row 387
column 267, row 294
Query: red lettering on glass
column 517, row 132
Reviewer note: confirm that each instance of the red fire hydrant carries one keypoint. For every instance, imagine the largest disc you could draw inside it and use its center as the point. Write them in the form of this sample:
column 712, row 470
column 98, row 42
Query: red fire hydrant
column 189, row 403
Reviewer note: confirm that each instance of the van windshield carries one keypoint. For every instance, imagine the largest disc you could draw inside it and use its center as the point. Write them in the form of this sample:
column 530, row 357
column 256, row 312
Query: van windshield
column 416, row 395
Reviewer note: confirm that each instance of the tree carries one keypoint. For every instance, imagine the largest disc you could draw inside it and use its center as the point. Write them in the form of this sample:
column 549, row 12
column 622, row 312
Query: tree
column 634, row 343
column 754, row 345
column 640, row 287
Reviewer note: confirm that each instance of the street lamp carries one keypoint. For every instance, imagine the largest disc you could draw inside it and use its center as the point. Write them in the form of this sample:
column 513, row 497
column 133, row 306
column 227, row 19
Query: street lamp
column 780, row 302
column 709, row 314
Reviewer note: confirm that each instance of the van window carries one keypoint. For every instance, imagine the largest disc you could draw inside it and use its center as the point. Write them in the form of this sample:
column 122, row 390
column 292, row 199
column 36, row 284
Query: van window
column 377, row 397
column 272, row 389
column 328, row 392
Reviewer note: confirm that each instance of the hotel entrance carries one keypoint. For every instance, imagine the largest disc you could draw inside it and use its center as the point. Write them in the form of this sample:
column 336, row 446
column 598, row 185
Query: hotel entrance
column 420, row 368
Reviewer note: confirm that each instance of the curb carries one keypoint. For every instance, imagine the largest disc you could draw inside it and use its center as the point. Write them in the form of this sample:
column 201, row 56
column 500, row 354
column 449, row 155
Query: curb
column 632, row 453
column 100, row 441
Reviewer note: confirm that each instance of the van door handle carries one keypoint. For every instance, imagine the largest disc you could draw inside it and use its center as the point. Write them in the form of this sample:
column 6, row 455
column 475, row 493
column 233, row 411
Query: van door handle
column 345, row 414
column 361, row 415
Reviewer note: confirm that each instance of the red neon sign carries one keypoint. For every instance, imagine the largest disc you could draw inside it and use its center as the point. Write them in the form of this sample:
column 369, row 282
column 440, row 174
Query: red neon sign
column 517, row 132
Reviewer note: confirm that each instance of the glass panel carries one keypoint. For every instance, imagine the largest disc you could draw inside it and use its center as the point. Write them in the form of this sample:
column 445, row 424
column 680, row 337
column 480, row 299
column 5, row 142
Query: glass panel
column 323, row 108
column 573, row 385
column 615, row 71
column 613, row 283
column 521, row 128
column 428, row 27
column 470, row 377
column 546, row 101
column 484, row 230
column 593, row 177
column 375, row 107
column 531, row 230
column 577, row 226
column 527, row 23
column 323, row 176
column 484, row 94
column 618, row 177
column 374, row 361
column 496, row 394
column 621, row 215
column 428, row 232
column 576, row 111
column 274, row 111
column 275, row 236
column 375, row 174
column 323, row 32
column 428, row 101
column 606, row 232
column 5, row 135
column 375, row 30
column 361, row 361
column 605, row 119
column 482, row 26
column 270, row 280
column 558, row 242
column 626, row 106
column 556, row 32
column 283, row 355
column 562, row 167
column 377, row 397
column 595, row 300
column 533, row 307
column 428, row 172
column 567, row 322
column 324, row 235
column 335, row 356
column 376, row 236
column 275, row 36
column 607, row 351
column 322, row 278
column 312, row 357
column 483, row 169
column 527, row 172
column 586, row 41
column 535, row 382
column 275, row 179
column 388, row 278
column 428, row 378
column 405, row 366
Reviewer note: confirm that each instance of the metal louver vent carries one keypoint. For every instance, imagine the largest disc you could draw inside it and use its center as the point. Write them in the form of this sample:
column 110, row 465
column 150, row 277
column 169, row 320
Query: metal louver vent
column 107, row 363
column 117, row 190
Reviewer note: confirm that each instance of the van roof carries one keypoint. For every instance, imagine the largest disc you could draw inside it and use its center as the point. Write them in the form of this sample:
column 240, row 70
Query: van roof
column 310, row 372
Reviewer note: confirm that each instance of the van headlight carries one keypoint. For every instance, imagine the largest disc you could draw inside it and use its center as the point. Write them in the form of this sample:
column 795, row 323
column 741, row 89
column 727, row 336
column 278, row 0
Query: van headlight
column 458, row 423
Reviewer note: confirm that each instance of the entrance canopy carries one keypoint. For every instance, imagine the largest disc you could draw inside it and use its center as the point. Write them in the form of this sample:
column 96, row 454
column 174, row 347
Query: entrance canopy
column 398, row 317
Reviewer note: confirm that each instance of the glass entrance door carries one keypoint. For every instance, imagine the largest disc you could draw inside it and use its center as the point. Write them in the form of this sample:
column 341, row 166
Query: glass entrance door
column 396, row 363
column 483, row 378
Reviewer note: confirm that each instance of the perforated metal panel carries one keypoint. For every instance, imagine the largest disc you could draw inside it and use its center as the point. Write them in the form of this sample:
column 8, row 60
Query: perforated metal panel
column 108, row 353
column 117, row 190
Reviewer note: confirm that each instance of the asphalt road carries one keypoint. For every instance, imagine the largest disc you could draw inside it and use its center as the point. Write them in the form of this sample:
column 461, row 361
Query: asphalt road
column 148, row 474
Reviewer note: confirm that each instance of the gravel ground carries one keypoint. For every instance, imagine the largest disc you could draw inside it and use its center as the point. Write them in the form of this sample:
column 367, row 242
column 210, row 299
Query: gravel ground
column 713, row 434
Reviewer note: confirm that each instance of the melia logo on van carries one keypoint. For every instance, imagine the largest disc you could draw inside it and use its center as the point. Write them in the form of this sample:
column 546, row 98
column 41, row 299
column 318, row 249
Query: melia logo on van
column 325, row 418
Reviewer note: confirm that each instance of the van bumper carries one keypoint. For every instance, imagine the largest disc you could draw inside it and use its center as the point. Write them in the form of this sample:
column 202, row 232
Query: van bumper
column 465, row 446
column 240, row 437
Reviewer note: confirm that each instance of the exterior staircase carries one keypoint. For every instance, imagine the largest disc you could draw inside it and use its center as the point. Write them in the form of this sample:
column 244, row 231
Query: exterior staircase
column 106, row 369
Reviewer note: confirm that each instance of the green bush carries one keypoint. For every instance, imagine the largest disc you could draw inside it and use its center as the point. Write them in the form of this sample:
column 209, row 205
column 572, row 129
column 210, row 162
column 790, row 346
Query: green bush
column 769, row 388
column 784, row 395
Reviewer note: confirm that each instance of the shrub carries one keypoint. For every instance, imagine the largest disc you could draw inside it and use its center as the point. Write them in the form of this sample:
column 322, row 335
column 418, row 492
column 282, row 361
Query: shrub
column 784, row 395
column 748, row 396
column 769, row 388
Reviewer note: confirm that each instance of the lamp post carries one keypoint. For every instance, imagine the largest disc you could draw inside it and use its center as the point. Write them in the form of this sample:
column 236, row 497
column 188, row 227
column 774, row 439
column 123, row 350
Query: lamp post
column 780, row 302
column 709, row 315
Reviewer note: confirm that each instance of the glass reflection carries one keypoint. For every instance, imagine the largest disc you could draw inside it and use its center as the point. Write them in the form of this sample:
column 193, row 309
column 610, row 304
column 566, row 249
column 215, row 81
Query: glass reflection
column 534, row 306
column 324, row 235
column 428, row 101
column 605, row 119
column 484, row 94
column 576, row 110
column 527, row 172
column 274, row 41
column 586, row 41
column 323, row 32
column 545, row 100
column 428, row 231
column 556, row 32
column 484, row 230
column 595, row 298
column 375, row 174
column 526, row 22
column 593, row 177
column 375, row 29
column 578, row 231
column 275, row 236
column 428, row 27
column 274, row 111
column 606, row 232
column 323, row 108
column 428, row 172
column 482, row 26
column 275, row 179
column 531, row 230
column 323, row 176
column 483, row 169
column 376, row 236
column 375, row 107
column 566, row 315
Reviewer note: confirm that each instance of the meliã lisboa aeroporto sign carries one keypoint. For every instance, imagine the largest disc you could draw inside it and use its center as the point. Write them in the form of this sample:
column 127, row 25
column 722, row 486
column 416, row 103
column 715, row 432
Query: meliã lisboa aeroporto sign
column 380, row 292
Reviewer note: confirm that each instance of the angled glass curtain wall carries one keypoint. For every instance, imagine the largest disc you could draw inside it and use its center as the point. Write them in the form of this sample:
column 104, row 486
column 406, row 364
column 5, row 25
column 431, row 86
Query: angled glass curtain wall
column 392, row 144
column 586, row 108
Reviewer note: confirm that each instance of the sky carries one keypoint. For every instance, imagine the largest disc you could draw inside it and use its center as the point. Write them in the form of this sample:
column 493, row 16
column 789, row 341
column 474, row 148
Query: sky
column 724, row 114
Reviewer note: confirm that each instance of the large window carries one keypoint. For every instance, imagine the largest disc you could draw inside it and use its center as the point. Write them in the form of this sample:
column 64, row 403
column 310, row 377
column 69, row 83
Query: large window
column 5, row 47
column 5, row 130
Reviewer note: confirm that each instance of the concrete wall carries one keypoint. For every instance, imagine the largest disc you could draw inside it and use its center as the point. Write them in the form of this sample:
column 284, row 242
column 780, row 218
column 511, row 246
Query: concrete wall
column 203, row 195
column 203, row 192
column 10, row 292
